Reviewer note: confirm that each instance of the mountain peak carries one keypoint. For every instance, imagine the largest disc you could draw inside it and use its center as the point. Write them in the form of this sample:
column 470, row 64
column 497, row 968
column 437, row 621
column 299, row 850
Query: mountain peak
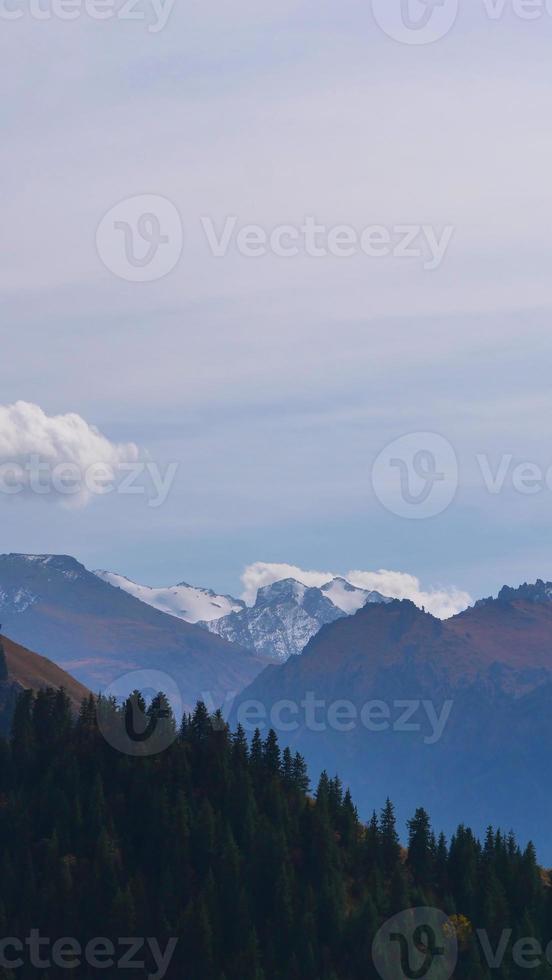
column 537, row 592
column 285, row 616
column 404, row 609
column 540, row 591
column 285, row 588
column 338, row 579
column 28, row 569
column 59, row 562
column 348, row 597
column 187, row 602
column 287, row 613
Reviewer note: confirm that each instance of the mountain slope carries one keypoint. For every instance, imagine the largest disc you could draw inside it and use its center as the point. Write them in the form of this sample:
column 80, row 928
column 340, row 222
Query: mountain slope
column 444, row 713
column 98, row 633
column 260, row 879
column 185, row 601
column 20, row 669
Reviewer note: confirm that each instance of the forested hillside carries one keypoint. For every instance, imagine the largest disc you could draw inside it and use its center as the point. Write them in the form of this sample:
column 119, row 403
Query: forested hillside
column 222, row 847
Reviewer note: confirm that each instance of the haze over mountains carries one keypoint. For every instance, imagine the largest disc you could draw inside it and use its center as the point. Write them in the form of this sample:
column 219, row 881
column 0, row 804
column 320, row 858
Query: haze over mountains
column 98, row 633
column 283, row 618
column 21, row 669
column 287, row 614
column 459, row 714
column 100, row 625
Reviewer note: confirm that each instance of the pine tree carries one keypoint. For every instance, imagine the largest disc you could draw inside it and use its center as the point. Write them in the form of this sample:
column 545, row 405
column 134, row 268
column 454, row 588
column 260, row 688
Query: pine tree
column 389, row 838
column 421, row 848
column 222, row 847
column 271, row 754
column 301, row 779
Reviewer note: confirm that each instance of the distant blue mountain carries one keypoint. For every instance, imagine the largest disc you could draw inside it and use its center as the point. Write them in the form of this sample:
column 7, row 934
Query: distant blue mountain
column 453, row 715
column 54, row 605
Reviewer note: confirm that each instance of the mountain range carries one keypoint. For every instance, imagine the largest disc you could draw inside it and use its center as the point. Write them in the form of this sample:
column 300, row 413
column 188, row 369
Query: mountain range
column 284, row 617
column 99, row 634
column 454, row 714
column 287, row 614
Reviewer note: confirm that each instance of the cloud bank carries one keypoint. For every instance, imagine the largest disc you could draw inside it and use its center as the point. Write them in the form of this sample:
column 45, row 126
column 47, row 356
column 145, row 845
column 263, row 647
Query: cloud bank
column 40, row 454
column 440, row 602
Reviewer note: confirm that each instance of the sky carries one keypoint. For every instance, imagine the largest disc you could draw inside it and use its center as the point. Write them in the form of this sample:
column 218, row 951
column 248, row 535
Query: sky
column 311, row 402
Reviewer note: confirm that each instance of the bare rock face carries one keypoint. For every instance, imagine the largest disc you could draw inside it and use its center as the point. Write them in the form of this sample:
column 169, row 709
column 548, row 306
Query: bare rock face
column 287, row 614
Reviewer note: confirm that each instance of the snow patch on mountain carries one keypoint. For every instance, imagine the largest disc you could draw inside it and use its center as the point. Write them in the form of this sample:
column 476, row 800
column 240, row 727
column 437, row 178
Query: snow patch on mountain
column 279, row 613
column 279, row 621
column 16, row 600
column 349, row 598
column 184, row 601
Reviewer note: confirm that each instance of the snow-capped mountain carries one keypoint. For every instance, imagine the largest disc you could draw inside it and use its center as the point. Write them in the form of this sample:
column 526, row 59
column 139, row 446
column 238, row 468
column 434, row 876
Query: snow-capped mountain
column 185, row 601
column 98, row 633
column 350, row 598
column 287, row 614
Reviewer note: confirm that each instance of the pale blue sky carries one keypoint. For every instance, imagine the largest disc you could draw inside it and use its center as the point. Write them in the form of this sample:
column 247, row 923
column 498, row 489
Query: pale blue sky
column 276, row 382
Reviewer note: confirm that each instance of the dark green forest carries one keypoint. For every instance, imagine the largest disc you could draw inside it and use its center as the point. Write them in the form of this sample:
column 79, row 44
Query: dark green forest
column 222, row 845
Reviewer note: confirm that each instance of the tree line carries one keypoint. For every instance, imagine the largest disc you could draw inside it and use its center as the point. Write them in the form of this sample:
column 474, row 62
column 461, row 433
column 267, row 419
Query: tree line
column 220, row 842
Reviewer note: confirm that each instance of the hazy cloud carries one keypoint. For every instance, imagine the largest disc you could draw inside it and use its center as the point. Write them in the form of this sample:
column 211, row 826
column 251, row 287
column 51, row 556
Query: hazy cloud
column 38, row 452
column 442, row 602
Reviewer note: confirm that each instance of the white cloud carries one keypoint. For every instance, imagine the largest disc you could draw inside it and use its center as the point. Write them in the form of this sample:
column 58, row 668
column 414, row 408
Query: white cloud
column 60, row 456
column 440, row 602
column 262, row 573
